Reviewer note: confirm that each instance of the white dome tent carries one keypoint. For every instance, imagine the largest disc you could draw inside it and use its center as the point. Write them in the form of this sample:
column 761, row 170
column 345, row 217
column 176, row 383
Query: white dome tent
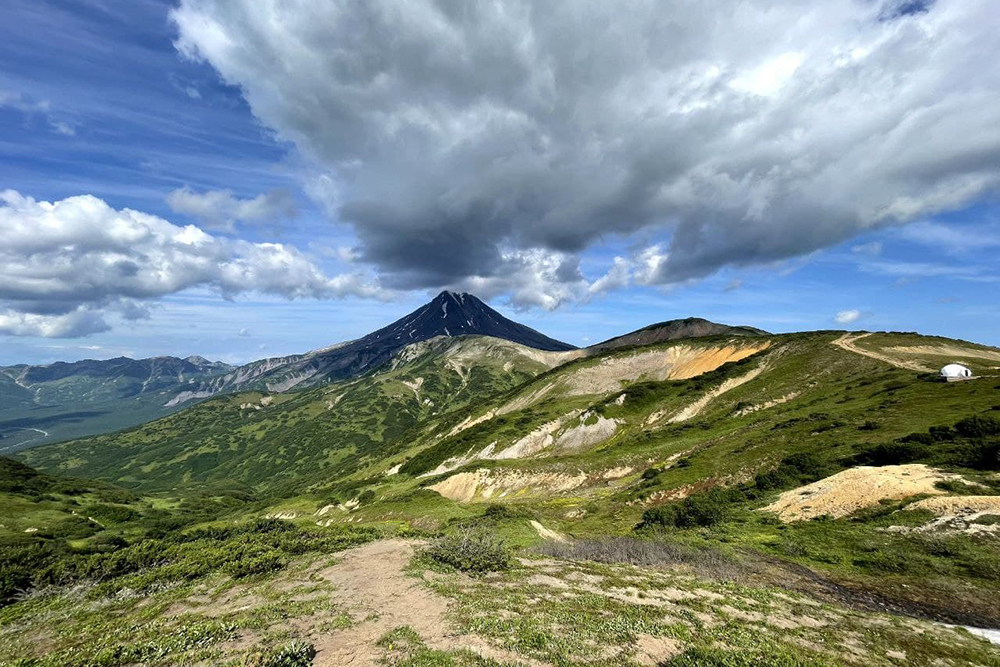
column 954, row 372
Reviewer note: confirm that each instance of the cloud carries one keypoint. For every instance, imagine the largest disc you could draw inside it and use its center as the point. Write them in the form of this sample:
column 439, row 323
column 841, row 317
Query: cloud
column 456, row 137
column 18, row 102
column 733, row 285
column 81, row 321
column 616, row 278
column 67, row 266
column 535, row 279
column 220, row 210
column 243, row 333
column 872, row 249
column 952, row 240
column 847, row 316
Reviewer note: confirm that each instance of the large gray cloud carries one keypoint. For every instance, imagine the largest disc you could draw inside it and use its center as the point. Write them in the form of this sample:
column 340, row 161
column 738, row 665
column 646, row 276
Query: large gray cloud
column 459, row 137
column 65, row 266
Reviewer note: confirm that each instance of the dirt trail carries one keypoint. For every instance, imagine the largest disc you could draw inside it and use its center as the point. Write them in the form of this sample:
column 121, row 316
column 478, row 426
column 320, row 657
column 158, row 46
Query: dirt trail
column 847, row 342
column 371, row 586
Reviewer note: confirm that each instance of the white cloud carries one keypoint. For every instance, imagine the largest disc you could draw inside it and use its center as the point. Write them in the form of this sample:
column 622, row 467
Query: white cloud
column 17, row 101
column 539, row 278
column 81, row 321
column 749, row 132
column 651, row 262
column 616, row 278
column 220, row 210
column 66, row 266
column 872, row 249
column 952, row 239
column 847, row 316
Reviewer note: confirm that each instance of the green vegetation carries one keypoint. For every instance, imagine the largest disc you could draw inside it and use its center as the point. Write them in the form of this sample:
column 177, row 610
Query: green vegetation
column 286, row 442
column 476, row 551
column 645, row 494
column 164, row 572
column 295, row 654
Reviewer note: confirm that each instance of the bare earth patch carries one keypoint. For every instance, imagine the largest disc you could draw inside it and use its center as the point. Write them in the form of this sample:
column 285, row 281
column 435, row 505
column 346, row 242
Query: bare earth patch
column 958, row 504
column 856, row 489
column 372, row 587
column 486, row 484
column 694, row 409
column 678, row 362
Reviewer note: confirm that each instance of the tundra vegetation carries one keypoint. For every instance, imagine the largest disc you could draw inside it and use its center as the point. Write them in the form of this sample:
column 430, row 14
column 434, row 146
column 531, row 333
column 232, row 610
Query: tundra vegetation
column 609, row 526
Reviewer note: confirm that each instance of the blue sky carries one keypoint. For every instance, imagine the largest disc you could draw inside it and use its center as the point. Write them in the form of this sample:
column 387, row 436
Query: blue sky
column 126, row 103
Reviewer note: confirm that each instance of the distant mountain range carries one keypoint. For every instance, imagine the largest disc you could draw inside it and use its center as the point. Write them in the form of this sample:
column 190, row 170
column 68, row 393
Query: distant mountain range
column 62, row 400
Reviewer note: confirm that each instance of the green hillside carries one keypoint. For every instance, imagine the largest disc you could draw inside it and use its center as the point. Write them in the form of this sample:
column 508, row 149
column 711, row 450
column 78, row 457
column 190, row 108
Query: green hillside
column 278, row 441
column 694, row 458
column 679, row 500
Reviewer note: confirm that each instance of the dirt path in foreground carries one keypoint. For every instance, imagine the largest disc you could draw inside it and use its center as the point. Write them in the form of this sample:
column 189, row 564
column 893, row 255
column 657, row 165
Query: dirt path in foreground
column 846, row 342
column 372, row 587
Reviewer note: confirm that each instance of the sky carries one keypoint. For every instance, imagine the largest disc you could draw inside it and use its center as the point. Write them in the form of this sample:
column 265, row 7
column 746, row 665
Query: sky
column 249, row 178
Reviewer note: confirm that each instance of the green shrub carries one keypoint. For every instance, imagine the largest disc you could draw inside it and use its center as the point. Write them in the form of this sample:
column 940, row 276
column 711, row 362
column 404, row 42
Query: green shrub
column 793, row 470
column 717, row 657
column 891, row 453
column 113, row 513
column 978, row 427
column 295, row 654
column 495, row 512
column 473, row 550
column 704, row 509
column 987, row 520
column 251, row 563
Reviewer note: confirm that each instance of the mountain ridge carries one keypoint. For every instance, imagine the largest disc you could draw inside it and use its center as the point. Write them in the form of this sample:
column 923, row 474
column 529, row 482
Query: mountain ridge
column 448, row 314
column 89, row 397
column 688, row 327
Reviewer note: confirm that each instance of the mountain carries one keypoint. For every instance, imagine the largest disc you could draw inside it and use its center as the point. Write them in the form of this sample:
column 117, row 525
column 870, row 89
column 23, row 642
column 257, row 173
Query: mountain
column 271, row 441
column 737, row 499
column 57, row 401
column 60, row 400
column 448, row 314
column 691, row 327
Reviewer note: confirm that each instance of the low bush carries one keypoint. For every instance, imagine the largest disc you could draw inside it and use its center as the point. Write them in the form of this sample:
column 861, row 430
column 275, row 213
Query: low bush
column 891, row 453
column 295, row 654
column 973, row 442
column 704, row 509
column 254, row 548
column 476, row 551
column 496, row 512
column 718, row 657
column 253, row 562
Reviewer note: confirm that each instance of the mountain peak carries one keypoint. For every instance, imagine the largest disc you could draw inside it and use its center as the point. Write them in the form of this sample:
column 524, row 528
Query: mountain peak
column 689, row 327
column 457, row 314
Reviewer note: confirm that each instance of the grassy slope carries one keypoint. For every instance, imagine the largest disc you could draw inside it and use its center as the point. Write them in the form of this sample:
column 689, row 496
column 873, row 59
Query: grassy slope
column 289, row 439
column 840, row 403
